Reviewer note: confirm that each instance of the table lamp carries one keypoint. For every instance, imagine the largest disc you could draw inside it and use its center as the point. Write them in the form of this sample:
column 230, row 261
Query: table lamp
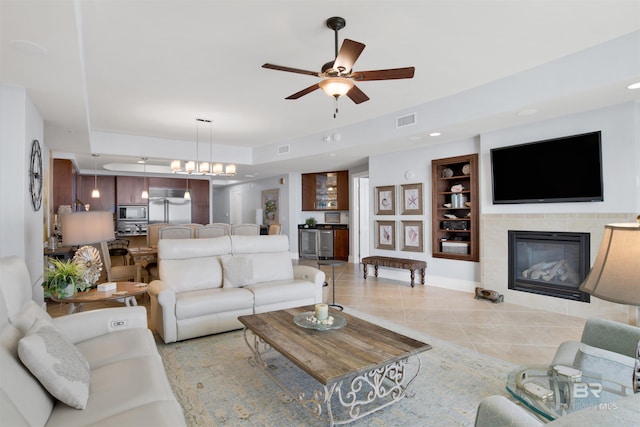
column 84, row 228
column 615, row 275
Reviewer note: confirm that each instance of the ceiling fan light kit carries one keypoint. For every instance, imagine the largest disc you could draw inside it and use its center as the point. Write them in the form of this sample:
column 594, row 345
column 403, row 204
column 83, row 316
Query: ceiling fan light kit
column 196, row 167
column 338, row 75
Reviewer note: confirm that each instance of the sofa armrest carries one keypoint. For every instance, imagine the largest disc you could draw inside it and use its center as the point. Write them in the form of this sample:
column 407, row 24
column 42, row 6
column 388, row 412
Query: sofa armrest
column 82, row 326
column 163, row 310
column 498, row 411
column 610, row 335
column 305, row 272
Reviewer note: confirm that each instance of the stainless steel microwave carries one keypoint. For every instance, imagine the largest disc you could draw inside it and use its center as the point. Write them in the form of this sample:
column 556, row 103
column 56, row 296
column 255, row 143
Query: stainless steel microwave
column 133, row 212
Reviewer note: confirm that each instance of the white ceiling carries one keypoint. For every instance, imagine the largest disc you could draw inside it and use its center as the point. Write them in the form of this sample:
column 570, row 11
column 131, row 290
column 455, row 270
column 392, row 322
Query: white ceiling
column 127, row 79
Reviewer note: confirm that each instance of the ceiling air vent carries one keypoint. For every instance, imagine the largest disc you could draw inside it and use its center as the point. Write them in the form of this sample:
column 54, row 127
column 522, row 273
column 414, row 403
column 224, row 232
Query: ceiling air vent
column 284, row 149
column 408, row 120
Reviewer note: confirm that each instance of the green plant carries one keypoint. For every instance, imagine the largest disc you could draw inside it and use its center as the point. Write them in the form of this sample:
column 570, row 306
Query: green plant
column 61, row 274
column 311, row 221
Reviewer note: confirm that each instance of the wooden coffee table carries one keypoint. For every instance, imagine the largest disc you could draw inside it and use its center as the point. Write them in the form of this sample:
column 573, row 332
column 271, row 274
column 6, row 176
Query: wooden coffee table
column 125, row 292
column 361, row 367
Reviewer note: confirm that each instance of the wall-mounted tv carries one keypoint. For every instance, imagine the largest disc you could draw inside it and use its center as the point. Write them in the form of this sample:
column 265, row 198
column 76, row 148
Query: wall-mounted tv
column 567, row 169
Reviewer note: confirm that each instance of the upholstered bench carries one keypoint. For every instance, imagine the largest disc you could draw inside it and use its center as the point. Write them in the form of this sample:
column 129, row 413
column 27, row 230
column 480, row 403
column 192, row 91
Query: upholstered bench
column 408, row 264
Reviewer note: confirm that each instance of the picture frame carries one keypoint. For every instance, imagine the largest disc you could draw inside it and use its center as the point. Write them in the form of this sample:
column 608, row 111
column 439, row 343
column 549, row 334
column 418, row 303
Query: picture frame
column 270, row 206
column 386, row 235
column 386, row 200
column 412, row 200
column 332, row 217
column 412, row 236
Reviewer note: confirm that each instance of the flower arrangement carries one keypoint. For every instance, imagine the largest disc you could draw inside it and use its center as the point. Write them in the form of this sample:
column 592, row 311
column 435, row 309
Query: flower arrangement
column 63, row 279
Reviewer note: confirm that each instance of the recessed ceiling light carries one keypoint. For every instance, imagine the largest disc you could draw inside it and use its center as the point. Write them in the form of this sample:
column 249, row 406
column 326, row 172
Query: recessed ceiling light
column 435, row 134
column 332, row 154
column 634, row 86
column 527, row 112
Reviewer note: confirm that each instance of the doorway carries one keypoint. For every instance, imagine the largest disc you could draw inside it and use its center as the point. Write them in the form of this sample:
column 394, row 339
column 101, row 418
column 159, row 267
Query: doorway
column 235, row 208
column 360, row 236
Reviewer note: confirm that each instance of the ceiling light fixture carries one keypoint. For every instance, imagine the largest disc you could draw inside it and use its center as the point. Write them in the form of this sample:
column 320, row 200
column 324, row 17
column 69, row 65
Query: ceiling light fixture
column 145, row 191
column 95, row 194
column 203, row 168
column 634, row 86
column 187, row 194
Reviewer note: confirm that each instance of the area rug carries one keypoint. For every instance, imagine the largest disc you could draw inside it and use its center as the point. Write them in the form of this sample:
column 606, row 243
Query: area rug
column 218, row 384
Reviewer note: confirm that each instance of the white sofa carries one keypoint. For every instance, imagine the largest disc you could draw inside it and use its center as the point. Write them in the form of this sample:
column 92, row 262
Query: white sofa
column 205, row 284
column 126, row 382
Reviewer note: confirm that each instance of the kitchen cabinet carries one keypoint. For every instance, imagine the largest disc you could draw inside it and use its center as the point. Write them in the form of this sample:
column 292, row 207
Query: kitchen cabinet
column 129, row 190
column 64, row 184
column 455, row 216
column 199, row 201
column 341, row 244
column 107, row 187
column 325, row 191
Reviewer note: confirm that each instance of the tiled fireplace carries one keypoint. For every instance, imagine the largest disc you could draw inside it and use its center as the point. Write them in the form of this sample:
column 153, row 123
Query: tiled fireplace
column 494, row 258
column 549, row 263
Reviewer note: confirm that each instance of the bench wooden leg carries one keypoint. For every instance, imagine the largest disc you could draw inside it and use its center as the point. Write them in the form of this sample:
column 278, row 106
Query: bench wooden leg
column 413, row 275
column 376, row 269
column 365, row 271
column 422, row 274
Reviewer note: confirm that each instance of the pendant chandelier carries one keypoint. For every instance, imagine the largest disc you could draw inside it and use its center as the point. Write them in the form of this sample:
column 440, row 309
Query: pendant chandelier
column 196, row 167
column 145, row 191
column 95, row 194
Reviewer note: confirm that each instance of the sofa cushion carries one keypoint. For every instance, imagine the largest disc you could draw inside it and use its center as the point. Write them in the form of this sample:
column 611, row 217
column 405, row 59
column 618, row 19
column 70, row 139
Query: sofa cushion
column 211, row 301
column 268, row 267
column 118, row 345
column 238, row 271
column 59, row 365
column 281, row 290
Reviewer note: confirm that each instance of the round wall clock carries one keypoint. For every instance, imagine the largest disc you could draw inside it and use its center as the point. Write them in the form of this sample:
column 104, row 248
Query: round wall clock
column 35, row 175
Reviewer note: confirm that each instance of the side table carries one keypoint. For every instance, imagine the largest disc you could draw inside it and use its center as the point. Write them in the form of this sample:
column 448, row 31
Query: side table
column 333, row 264
column 125, row 292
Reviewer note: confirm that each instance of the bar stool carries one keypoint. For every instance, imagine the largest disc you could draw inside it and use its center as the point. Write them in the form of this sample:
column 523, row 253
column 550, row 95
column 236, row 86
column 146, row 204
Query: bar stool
column 333, row 263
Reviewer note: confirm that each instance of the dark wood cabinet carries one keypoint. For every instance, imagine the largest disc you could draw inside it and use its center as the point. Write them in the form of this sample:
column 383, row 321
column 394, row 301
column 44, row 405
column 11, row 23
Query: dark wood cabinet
column 107, row 187
column 129, row 190
column 64, row 184
column 455, row 201
column 326, row 191
column 199, row 201
column 341, row 244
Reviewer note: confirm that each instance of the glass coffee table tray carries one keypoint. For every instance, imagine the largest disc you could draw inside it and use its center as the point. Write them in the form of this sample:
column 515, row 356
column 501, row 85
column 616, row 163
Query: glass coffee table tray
column 308, row 320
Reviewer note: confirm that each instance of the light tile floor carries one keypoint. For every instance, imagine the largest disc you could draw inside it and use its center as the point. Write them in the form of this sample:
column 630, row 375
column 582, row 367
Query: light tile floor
column 511, row 332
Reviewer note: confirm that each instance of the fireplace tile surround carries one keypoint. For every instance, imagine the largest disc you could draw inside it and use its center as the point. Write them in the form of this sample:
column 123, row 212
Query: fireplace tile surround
column 494, row 259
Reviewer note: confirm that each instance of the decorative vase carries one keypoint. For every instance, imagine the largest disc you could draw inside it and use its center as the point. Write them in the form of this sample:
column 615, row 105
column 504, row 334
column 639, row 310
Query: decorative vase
column 70, row 290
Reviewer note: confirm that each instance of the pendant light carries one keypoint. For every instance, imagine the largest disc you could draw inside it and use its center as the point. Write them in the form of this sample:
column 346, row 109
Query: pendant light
column 187, row 194
column 95, row 194
column 145, row 191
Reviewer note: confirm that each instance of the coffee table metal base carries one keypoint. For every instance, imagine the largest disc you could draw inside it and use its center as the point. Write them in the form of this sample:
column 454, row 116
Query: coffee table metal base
column 350, row 399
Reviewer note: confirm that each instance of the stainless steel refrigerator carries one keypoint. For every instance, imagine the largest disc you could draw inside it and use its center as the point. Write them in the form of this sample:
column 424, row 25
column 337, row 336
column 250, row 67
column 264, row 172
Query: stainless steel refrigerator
column 169, row 206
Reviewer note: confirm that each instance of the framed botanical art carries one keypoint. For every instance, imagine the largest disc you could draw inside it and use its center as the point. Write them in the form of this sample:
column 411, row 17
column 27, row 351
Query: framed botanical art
column 412, row 233
column 412, row 199
column 386, row 235
column 386, row 200
column 270, row 208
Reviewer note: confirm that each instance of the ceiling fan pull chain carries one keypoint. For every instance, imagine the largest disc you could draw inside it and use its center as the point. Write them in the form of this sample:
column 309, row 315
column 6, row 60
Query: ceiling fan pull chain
column 335, row 102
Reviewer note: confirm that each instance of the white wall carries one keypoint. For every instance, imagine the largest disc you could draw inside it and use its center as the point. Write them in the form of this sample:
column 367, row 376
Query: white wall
column 21, row 229
column 414, row 166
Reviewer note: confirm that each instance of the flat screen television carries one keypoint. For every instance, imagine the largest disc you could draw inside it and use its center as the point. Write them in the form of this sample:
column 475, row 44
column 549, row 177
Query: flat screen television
column 567, row 169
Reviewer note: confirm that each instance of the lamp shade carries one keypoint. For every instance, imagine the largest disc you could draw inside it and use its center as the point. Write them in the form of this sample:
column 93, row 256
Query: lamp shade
column 336, row 86
column 81, row 228
column 615, row 275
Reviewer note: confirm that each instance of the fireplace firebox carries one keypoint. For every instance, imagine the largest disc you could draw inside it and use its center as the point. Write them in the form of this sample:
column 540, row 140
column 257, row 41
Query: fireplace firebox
column 549, row 263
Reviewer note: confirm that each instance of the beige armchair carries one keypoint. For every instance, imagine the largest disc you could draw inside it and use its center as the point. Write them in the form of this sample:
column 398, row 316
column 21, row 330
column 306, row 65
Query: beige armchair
column 175, row 232
column 213, row 230
column 275, row 229
column 245, row 229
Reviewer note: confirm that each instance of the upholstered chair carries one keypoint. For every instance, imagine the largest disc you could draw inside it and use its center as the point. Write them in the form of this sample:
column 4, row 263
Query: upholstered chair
column 245, row 229
column 275, row 229
column 213, row 230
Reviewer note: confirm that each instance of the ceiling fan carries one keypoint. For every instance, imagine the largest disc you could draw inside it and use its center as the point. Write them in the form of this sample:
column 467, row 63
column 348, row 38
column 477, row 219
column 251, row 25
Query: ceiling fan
column 338, row 76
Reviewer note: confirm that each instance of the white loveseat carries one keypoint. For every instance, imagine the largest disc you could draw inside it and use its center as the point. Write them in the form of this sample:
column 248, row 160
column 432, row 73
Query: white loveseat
column 205, row 284
column 125, row 378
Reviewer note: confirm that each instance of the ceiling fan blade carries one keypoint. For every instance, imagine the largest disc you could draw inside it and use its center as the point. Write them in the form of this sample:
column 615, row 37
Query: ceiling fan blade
column 290, row 70
column 356, row 95
column 390, row 74
column 348, row 55
column 303, row 92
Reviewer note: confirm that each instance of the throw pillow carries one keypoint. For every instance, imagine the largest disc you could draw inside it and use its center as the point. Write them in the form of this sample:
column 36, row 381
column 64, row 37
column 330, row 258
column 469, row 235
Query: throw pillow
column 56, row 363
column 238, row 271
